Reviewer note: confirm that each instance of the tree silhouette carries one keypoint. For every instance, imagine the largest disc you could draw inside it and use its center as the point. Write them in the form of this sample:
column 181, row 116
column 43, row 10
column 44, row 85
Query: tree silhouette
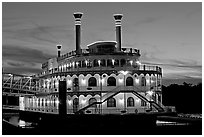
column 187, row 98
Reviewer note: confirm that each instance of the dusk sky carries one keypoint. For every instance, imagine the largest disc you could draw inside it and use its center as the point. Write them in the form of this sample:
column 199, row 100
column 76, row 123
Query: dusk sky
column 168, row 34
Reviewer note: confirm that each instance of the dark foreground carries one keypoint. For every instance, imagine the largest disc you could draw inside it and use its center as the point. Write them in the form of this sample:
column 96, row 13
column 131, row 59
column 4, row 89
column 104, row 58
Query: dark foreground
column 128, row 124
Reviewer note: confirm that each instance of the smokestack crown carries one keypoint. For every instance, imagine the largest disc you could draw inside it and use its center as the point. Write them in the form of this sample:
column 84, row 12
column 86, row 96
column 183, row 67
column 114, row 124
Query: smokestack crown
column 59, row 47
column 78, row 15
column 118, row 16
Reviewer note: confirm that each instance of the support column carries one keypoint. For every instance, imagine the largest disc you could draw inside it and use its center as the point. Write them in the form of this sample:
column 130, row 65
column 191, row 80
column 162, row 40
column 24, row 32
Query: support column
column 62, row 98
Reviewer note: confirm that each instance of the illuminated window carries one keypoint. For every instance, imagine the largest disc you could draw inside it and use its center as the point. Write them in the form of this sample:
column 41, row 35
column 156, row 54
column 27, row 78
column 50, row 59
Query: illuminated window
column 129, row 81
column 143, row 81
column 92, row 82
column 130, row 102
column 111, row 81
column 92, row 100
column 111, row 102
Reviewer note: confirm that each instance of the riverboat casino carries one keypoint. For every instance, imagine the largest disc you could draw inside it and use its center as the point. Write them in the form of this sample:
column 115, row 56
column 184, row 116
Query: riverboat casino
column 104, row 72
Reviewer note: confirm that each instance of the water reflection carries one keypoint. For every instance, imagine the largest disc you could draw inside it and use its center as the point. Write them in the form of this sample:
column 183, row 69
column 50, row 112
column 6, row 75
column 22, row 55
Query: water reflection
column 16, row 121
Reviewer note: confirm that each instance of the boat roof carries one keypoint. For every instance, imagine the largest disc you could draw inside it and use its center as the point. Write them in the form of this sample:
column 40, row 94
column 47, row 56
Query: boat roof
column 98, row 43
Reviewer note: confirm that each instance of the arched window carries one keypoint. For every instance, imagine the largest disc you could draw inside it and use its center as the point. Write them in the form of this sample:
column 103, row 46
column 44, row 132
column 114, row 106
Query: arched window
column 130, row 102
column 111, row 102
column 92, row 100
column 76, row 82
column 143, row 81
column 111, row 81
column 92, row 82
column 129, row 81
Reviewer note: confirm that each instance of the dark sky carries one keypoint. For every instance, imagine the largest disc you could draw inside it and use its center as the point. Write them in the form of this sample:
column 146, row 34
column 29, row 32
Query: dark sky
column 168, row 34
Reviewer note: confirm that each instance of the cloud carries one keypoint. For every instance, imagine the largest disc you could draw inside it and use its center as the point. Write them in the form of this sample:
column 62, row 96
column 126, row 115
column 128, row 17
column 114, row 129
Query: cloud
column 24, row 54
column 148, row 20
column 30, row 31
column 23, row 71
column 14, row 64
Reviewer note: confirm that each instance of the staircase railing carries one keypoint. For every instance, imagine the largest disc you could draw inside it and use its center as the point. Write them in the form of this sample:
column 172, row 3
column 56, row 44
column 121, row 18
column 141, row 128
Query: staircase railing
column 105, row 97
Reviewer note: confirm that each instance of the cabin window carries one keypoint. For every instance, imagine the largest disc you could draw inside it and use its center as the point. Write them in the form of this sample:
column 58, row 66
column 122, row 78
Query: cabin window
column 109, row 63
column 143, row 81
column 111, row 102
column 95, row 63
column 103, row 62
column 111, row 81
column 116, row 63
column 129, row 81
column 122, row 62
column 130, row 102
column 92, row 82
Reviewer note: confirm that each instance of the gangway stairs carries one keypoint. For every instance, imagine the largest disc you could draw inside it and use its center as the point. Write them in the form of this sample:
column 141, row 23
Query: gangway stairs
column 116, row 91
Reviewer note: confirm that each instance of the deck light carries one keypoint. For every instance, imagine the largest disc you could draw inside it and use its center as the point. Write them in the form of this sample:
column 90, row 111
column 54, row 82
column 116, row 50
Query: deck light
column 73, row 64
column 131, row 62
column 83, row 101
column 77, row 63
column 121, row 101
column 150, row 93
column 124, row 72
column 69, row 102
column 113, row 61
column 137, row 80
column 86, row 62
column 69, row 82
column 147, row 81
column 83, row 81
column 120, row 80
column 138, row 62
column 99, row 62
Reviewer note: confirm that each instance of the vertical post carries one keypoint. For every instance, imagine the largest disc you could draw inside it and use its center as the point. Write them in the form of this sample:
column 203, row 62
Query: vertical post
column 124, row 96
column 101, row 89
column 62, row 98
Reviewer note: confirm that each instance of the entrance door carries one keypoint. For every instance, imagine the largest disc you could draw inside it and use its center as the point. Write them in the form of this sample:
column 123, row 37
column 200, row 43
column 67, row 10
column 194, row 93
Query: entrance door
column 75, row 105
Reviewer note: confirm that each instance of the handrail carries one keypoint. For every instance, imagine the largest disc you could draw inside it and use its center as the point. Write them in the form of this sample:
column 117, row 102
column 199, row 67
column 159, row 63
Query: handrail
column 102, row 101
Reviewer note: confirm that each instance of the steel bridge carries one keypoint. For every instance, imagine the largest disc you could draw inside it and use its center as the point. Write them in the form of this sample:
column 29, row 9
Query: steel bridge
column 21, row 85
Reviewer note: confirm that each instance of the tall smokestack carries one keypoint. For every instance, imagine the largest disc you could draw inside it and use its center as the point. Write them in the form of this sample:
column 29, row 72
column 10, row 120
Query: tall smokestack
column 118, row 18
column 59, row 50
column 77, row 16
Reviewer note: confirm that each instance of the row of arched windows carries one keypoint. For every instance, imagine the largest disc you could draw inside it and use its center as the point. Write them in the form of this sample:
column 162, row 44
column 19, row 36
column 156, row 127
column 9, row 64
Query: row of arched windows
column 111, row 81
column 112, row 102
column 130, row 102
